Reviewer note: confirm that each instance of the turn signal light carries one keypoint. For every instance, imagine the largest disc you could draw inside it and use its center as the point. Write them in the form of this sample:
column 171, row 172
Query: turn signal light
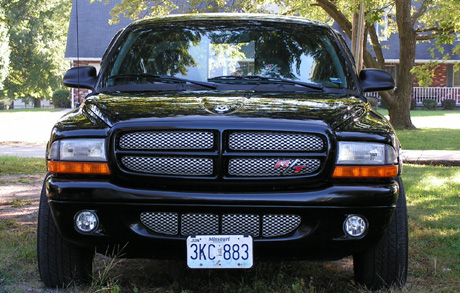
column 365, row 171
column 78, row 168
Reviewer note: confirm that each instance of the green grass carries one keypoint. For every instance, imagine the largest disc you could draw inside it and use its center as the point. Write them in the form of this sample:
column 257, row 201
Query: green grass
column 424, row 113
column 433, row 195
column 32, row 110
column 430, row 139
column 18, row 165
column 17, row 254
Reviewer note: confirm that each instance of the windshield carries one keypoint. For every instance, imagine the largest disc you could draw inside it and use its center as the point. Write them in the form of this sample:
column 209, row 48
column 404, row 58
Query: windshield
column 226, row 52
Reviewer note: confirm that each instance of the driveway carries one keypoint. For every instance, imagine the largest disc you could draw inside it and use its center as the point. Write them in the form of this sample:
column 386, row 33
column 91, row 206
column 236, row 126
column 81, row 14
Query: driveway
column 26, row 133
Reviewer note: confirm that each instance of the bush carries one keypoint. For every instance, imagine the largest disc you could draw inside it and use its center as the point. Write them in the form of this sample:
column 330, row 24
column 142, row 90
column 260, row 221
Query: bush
column 448, row 104
column 61, row 99
column 430, row 104
column 413, row 104
column 382, row 104
column 373, row 101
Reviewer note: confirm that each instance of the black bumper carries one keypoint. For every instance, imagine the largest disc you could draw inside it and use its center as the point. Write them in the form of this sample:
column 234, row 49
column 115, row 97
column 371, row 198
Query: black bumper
column 319, row 236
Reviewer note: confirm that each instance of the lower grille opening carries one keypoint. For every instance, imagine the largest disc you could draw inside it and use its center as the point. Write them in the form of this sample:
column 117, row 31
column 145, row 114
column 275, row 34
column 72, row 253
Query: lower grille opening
column 258, row 226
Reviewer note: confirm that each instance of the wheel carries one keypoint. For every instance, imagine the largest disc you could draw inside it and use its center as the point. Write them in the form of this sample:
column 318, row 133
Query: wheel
column 59, row 261
column 386, row 264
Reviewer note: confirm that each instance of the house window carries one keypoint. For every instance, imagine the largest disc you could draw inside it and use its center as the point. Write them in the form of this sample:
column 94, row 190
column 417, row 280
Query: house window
column 456, row 79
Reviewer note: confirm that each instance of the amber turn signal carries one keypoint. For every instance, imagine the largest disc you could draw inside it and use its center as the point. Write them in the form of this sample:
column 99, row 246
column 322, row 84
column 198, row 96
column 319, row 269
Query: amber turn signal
column 78, row 168
column 365, row 171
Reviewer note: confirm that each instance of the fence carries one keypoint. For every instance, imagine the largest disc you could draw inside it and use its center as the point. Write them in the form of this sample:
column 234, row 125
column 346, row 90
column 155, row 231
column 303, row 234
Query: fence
column 435, row 93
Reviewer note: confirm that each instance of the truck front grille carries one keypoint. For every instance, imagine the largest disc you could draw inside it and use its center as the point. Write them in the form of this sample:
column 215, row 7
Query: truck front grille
column 217, row 154
column 167, row 140
column 267, row 226
column 269, row 167
column 182, row 166
column 274, row 141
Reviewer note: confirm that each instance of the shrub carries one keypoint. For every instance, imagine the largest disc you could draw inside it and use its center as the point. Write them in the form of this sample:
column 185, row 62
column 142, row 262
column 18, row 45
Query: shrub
column 430, row 104
column 448, row 104
column 413, row 104
column 373, row 101
column 382, row 104
column 61, row 99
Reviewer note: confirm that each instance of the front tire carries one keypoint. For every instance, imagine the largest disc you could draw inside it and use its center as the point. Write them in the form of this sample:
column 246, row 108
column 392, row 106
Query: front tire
column 386, row 264
column 59, row 261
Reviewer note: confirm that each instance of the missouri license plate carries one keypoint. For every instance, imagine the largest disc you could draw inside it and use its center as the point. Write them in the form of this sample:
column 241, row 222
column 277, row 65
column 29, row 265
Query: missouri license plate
column 219, row 252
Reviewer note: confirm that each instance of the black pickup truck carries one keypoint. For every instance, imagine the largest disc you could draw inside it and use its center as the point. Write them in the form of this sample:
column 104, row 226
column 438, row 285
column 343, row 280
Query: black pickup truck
column 225, row 139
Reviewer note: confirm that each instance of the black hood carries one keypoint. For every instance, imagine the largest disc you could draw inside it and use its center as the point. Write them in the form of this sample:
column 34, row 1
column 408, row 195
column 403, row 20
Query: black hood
column 334, row 112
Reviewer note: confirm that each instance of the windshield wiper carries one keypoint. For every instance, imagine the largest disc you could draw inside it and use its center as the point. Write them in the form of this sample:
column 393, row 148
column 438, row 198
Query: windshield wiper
column 268, row 79
column 164, row 78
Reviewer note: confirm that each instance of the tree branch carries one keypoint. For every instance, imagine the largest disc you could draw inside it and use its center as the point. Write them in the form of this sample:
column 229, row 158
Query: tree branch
column 420, row 11
column 338, row 16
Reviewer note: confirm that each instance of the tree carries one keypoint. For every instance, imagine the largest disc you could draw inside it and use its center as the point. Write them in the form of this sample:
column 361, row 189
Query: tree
column 37, row 36
column 4, row 48
column 419, row 20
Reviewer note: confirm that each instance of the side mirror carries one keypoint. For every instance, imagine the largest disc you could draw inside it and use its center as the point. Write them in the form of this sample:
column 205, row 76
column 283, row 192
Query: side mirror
column 83, row 77
column 376, row 80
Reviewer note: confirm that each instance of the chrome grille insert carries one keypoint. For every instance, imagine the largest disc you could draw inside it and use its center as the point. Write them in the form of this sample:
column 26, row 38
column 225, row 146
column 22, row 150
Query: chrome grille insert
column 279, row 225
column 161, row 223
column 199, row 224
column 259, row 167
column 167, row 140
column 241, row 225
column 274, row 141
column 212, row 224
column 182, row 166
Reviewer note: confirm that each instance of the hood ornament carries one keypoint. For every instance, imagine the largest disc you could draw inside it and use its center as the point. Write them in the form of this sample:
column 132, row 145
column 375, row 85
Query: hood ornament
column 221, row 109
column 222, row 106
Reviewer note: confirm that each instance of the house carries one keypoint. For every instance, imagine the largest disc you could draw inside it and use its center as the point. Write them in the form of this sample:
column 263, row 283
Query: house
column 95, row 33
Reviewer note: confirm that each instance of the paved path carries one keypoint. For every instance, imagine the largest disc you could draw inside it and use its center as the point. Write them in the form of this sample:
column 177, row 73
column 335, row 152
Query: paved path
column 31, row 127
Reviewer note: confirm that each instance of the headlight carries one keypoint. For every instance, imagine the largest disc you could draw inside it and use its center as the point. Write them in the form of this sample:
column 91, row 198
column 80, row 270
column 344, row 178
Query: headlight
column 78, row 156
column 78, row 150
column 365, row 160
column 363, row 153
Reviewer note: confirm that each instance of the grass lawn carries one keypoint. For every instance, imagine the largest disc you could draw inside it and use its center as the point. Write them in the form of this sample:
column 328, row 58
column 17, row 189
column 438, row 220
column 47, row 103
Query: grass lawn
column 424, row 113
column 434, row 262
column 430, row 139
column 16, row 165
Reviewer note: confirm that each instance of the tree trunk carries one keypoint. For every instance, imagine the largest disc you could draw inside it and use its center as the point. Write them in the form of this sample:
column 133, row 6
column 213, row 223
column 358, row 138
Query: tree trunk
column 37, row 103
column 399, row 106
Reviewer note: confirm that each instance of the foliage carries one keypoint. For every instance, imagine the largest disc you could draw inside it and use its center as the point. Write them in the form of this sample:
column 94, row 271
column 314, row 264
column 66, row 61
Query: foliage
column 4, row 48
column 413, row 20
column 37, row 36
column 430, row 104
column 61, row 99
column 448, row 104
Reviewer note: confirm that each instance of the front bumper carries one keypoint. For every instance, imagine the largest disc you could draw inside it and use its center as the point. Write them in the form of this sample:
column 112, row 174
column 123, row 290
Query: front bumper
column 319, row 236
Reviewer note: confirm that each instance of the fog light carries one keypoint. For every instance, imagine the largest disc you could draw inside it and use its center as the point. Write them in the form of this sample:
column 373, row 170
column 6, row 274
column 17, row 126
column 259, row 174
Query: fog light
column 86, row 221
column 355, row 226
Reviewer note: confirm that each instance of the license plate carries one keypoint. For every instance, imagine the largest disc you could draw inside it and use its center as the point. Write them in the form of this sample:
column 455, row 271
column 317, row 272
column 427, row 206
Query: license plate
column 219, row 252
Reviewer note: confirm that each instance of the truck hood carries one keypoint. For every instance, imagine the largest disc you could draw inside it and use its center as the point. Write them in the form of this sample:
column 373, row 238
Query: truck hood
column 332, row 111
